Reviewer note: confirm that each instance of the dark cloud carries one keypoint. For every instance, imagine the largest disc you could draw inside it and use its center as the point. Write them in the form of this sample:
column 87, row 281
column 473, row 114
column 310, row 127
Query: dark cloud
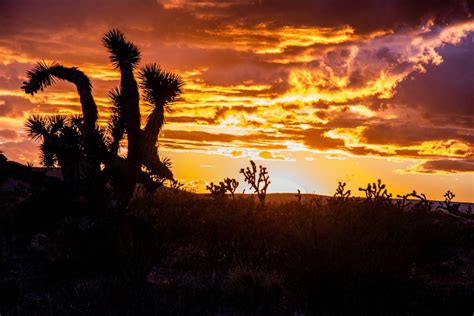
column 221, row 137
column 14, row 106
column 12, row 74
column 256, row 72
column 194, row 17
column 409, row 134
column 364, row 151
column 446, row 88
column 447, row 165
column 314, row 138
column 64, row 14
column 8, row 134
column 364, row 15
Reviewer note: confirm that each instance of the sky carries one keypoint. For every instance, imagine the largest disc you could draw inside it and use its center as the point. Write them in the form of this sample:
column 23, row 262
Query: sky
column 317, row 91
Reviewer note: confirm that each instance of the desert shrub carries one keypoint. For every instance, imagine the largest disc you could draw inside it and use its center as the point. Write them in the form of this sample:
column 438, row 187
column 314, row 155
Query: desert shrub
column 96, row 296
column 253, row 290
column 183, row 253
column 9, row 293
column 139, row 247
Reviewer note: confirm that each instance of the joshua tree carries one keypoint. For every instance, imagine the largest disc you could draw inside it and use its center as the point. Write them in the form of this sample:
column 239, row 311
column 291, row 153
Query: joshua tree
column 96, row 147
column 227, row 186
column 259, row 180
column 62, row 145
column 377, row 192
column 298, row 195
column 448, row 204
column 44, row 75
column 341, row 193
column 217, row 191
column 231, row 185
column 420, row 204
column 176, row 186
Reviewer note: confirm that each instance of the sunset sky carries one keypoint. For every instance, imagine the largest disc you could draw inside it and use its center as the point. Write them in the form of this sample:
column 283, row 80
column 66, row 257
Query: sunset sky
column 318, row 91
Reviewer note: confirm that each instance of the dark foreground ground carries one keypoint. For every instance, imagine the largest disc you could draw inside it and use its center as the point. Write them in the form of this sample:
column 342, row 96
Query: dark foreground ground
column 176, row 253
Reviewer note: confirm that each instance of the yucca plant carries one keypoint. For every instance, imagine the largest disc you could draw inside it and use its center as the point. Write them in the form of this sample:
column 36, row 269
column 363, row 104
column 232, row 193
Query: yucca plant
column 78, row 144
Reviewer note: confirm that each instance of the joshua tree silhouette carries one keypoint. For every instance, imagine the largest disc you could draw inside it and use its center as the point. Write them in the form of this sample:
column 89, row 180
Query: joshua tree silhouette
column 258, row 179
column 89, row 154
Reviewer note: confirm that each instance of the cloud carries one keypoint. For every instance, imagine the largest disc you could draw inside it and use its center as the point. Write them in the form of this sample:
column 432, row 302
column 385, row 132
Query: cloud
column 203, row 140
column 445, row 166
column 20, row 151
column 8, row 134
column 365, row 15
column 270, row 155
column 408, row 134
column 316, row 139
column 444, row 89
column 14, row 106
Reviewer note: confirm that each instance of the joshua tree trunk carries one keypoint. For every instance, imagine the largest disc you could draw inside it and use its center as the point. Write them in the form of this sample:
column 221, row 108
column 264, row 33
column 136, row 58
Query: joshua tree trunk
column 149, row 148
column 152, row 129
column 130, row 98
column 150, row 138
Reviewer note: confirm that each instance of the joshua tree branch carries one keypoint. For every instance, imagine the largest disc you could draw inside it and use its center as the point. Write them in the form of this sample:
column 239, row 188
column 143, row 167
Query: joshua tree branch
column 125, row 56
column 44, row 75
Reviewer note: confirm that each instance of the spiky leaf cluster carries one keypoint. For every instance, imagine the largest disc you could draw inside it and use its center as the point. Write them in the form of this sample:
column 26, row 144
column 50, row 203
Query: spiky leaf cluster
column 159, row 86
column 122, row 52
column 46, row 74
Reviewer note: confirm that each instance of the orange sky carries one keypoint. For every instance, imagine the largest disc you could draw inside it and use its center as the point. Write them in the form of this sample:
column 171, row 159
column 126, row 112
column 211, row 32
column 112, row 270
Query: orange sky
column 318, row 91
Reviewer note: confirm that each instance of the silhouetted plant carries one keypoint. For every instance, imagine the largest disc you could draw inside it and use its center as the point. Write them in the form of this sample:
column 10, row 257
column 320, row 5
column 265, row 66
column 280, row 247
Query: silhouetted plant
column 341, row 193
column 448, row 204
column 217, row 191
column 80, row 147
column 227, row 186
column 176, row 185
column 62, row 145
column 421, row 203
column 231, row 186
column 298, row 195
column 377, row 192
column 258, row 179
column 403, row 201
